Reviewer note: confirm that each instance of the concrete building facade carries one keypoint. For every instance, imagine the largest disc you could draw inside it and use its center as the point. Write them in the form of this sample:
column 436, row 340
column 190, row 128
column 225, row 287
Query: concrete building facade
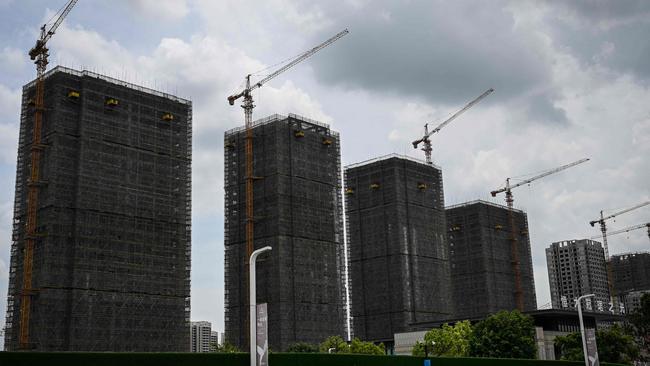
column 481, row 258
column 398, row 261
column 111, row 260
column 201, row 336
column 631, row 277
column 631, row 272
column 576, row 268
column 298, row 212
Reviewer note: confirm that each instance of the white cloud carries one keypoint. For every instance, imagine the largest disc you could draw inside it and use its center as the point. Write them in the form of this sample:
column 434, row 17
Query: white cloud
column 161, row 9
column 9, row 122
column 12, row 60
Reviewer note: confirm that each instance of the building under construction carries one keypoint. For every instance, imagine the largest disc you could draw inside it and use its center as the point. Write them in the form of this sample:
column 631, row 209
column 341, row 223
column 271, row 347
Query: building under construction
column 631, row 277
column 399, row 265
column 577, row 268
column 481, row 254
column 110, row 270
column 298, row 212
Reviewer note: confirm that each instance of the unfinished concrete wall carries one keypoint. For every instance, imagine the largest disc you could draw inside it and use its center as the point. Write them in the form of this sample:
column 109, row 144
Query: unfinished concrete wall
column 111, row 263
column 631, row 272
column 576, row 268
column 298, row 212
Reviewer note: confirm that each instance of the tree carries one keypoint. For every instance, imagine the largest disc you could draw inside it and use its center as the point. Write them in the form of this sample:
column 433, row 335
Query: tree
column 506, row 334
column 450, row 341
column 337, row 345
column 366, row 348
column 302, row 347
column 334, row 344
column 640, row 323
column 570, row 347
column 223, row 348
column 613, row 344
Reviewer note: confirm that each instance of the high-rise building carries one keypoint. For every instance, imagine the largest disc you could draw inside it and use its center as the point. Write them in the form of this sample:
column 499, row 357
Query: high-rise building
column 215, row 339
column 631, row 278
column 298, row 212
column 630, row 272
column 632, row 300
column 398, row 263
column 201, row 336
column 576, row 268
column 481, row 256
column 110, row 270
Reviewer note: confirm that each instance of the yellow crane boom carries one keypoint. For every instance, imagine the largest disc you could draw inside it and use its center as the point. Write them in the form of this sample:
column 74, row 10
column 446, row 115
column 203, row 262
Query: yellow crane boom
column 39, row 54
column 516, row 265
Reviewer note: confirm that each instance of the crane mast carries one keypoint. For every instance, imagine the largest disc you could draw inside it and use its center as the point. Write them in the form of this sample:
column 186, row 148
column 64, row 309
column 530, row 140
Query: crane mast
column 516, row 264
column 248, row 105
column 38, row 53
column 603, row 226
column 603, row 230
column 425, row 139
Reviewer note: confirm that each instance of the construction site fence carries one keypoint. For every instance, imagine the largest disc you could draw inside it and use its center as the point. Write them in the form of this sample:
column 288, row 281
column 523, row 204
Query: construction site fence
column 242, row 359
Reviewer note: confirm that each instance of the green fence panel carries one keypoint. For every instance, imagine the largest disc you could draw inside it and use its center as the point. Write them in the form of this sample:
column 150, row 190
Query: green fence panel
column 241, row 359
column 121, row 359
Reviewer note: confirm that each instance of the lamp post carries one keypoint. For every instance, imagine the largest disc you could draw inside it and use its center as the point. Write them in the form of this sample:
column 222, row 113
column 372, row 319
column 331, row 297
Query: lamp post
column 582, row 326
column 252, row 298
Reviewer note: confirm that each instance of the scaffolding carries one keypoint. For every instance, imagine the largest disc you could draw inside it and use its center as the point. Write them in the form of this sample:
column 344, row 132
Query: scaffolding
column 298, row 212
column 396, row 237
column 111, row 267
column 481, row 257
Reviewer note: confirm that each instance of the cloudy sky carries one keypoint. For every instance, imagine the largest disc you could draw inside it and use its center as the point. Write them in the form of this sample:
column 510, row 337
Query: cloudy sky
column 572, row 80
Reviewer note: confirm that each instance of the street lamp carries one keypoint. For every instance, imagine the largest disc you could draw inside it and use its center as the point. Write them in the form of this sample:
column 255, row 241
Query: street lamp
column 582, row 326
column 252, row 298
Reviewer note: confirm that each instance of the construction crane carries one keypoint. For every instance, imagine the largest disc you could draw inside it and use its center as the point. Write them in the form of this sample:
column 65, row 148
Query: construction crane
column 603, row 231
column 625, row 230
column 513, row 239
column 425, row 139
column 38, row 54
column 603, row 225
column 248, row 106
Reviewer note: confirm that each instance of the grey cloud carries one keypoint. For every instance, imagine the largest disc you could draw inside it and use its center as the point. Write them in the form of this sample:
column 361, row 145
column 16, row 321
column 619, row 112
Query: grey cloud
column 604, row 10
column 441, row 52
column 622, row 26
column 541, row 109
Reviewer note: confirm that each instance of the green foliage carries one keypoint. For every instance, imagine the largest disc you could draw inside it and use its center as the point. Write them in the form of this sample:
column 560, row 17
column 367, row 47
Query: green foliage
column 613, row 344
column 366, row 348
column 334, row 343
column 570, row 347
column 449, row 341
column 640, row 323
column 302, row 347
column 338, row 345
column 506, row 334
column 223, row 348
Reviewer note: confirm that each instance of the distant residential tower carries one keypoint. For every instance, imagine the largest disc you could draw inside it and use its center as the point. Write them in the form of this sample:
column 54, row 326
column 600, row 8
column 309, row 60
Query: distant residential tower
column 576, row 268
